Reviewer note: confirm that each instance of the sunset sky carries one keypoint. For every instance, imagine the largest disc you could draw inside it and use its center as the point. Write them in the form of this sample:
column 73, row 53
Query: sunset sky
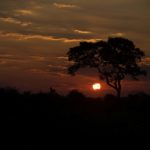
column 35, row 36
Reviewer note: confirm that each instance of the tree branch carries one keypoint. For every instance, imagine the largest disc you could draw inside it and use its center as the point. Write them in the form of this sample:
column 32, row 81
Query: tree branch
column 108, row 82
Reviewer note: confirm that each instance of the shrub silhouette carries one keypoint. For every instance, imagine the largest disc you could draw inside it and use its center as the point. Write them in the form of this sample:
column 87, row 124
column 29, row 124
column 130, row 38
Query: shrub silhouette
column 114, row 59
column 76, row 95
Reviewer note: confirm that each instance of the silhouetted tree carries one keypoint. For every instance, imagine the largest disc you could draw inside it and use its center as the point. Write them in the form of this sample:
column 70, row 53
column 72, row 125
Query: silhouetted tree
column 114, row 59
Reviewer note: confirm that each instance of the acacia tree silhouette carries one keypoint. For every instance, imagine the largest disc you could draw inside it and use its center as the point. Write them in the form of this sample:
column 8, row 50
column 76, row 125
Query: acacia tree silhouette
column 114, row 59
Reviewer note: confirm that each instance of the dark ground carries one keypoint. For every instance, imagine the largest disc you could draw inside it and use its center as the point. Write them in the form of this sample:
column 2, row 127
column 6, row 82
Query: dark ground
column 37, row 116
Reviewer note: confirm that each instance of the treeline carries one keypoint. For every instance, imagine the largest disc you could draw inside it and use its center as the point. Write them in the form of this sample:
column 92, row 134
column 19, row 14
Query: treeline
column 75, row 114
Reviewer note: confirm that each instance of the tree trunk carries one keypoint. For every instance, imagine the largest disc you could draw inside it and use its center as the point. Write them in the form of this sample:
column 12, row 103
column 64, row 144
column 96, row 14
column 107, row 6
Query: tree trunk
column 116, row 86
column 118, row 93
column 118, row 89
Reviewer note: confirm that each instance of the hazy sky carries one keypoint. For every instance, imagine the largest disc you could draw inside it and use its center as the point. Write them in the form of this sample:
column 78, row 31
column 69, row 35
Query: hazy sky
column 35, row 36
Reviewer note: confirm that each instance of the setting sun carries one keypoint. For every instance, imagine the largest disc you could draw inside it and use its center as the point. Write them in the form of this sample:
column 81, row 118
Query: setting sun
column 96, row 86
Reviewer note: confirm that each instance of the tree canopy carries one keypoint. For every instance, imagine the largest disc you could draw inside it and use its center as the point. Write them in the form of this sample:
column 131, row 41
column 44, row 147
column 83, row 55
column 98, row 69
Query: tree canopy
column 114, row 59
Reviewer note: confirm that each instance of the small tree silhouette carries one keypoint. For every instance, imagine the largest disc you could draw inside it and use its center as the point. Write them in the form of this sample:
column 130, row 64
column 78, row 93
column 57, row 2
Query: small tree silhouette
column 114, row 59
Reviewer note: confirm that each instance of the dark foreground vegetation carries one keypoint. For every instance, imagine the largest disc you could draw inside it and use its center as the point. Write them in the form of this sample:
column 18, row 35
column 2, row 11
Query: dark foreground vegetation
column 49, row 114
